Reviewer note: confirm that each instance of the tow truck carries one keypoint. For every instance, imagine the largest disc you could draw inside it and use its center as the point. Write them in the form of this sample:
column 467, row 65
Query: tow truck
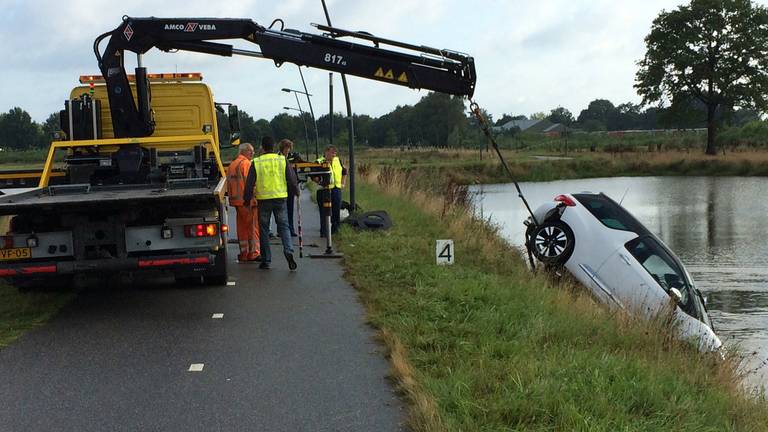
column 142, row 181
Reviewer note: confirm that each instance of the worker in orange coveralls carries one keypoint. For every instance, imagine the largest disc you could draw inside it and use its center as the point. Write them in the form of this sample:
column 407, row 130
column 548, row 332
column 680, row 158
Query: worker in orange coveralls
column 247, row 215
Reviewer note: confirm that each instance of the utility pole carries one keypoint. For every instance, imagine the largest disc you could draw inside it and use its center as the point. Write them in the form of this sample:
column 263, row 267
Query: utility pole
column 351, row 170
column 330, row 109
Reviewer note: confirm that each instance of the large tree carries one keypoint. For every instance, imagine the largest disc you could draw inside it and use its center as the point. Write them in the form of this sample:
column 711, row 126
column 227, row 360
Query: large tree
column 18, row 131
column 715, row 51
column 599, row 115
column 561, row 115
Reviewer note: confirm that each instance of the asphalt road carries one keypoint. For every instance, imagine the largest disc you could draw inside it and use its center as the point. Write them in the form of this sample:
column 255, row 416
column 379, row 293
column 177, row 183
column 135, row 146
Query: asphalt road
column 292, row 352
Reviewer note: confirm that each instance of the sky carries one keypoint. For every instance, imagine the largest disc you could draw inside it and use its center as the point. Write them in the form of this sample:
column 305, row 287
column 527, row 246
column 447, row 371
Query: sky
column 530, row 56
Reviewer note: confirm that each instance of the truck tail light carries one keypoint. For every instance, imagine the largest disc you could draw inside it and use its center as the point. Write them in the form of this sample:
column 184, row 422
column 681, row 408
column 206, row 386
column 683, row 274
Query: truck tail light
column 201, row 230
column 565, row 200
column 7, row 242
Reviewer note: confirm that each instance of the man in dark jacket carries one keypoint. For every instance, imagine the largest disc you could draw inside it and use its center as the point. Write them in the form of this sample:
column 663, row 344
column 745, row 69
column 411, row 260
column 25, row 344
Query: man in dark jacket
column 269, row 180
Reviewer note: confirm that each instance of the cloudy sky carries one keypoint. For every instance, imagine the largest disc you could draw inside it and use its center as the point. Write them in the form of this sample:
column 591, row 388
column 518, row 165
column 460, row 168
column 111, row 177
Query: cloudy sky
column 530, row 56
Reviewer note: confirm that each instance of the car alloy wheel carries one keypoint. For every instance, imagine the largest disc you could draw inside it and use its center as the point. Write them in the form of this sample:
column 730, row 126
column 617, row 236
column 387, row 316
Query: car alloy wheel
column 552, row 242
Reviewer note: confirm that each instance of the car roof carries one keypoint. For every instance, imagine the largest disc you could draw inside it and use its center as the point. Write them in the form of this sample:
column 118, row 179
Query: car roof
column 633, row 224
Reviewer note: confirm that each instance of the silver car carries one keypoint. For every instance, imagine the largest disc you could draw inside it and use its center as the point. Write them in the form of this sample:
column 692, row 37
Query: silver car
column 622, row 263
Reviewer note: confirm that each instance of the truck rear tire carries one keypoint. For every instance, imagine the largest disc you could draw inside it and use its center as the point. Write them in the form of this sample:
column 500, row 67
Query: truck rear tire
column 218, row 274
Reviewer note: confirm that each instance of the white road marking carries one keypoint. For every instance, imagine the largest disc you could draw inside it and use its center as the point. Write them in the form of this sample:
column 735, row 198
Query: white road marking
column 196, row 367
column 217, row 316
column 231, row 283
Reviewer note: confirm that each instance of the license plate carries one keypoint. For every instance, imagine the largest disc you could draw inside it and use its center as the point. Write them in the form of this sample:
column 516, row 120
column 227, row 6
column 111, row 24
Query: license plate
column 15, row 254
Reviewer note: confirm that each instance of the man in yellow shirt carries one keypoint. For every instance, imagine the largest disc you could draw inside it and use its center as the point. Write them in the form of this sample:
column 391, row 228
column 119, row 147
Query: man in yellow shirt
column 338, row 180
column 269, row 181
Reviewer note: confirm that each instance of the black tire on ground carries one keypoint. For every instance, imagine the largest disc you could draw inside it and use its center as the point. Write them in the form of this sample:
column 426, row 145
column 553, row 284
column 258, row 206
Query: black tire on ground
column 552, row 242
column 49, row 284
column 218, row 274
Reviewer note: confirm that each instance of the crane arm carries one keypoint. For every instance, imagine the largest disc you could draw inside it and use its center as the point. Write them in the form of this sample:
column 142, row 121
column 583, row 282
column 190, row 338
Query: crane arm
column 413, row 66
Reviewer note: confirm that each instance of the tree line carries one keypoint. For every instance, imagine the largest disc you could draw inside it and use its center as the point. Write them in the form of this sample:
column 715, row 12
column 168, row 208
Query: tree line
column 437, row 120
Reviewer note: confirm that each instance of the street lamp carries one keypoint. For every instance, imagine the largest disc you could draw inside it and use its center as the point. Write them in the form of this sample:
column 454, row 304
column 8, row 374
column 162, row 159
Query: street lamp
column 304, row 121
column 311, row 111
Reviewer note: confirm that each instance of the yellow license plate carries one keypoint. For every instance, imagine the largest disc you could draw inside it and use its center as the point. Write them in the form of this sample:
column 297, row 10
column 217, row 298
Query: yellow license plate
column 15, row 254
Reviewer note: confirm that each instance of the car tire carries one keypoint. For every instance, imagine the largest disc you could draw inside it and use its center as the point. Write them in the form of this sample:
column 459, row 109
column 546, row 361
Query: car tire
column 552, row 242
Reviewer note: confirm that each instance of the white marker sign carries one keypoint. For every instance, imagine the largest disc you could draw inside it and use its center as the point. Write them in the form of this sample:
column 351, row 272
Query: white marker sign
column 444, row 252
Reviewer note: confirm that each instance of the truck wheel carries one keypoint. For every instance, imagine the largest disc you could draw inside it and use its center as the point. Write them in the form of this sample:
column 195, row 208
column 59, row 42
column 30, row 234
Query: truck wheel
column 218, row 274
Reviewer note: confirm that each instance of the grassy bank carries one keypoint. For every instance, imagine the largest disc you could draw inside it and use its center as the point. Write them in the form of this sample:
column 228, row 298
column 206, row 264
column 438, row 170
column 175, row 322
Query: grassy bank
column 27, row 159
column 20, row 312
column 466, row 167
column 485, row 345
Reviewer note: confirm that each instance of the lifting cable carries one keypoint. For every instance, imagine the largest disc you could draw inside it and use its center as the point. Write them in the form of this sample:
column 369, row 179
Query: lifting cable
column 475, row 109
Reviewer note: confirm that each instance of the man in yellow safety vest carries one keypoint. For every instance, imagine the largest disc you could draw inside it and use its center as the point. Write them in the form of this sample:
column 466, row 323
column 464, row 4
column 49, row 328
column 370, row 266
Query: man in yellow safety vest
column 269, row 180
column 338, row 180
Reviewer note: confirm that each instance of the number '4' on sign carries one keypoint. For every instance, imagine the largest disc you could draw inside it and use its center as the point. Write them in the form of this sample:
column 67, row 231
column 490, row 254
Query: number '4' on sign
column 444, row 251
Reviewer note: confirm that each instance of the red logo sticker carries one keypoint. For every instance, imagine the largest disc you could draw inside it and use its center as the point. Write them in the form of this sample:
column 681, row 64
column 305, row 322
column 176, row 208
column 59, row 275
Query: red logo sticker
column 128, row 32
column 191, row 27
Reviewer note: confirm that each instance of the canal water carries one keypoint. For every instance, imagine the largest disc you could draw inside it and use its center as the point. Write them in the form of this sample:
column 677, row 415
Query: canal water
column 718, row 226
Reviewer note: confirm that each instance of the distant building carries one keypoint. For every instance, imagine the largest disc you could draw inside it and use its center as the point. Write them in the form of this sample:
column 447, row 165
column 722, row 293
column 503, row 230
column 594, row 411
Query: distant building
column 531, row 126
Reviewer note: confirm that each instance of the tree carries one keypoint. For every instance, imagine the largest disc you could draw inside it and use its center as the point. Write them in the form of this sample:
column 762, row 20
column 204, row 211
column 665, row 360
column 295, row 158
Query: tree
column 628, row 116
column 561, row 115
column 599, row 115
column 49, row 127
column 538, row 116
column 714, row 51
column 436, row 114
column 18, row 131
column 287, row 126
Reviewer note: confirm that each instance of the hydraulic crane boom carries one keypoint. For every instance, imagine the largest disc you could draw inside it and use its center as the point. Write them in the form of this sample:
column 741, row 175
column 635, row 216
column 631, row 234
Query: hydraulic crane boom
column 422, row 68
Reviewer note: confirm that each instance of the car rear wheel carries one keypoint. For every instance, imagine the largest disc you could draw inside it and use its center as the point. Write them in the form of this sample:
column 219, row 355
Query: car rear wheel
column 552, row 242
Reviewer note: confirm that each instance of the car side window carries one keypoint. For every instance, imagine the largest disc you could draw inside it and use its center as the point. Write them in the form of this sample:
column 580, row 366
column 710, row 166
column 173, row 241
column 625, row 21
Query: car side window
column 660, row 265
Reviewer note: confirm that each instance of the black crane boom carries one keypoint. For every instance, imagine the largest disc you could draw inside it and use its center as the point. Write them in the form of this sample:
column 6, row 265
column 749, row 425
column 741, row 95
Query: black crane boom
column 419, row 67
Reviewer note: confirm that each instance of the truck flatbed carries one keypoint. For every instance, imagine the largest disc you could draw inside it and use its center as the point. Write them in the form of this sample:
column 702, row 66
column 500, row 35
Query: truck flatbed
column 84, row 197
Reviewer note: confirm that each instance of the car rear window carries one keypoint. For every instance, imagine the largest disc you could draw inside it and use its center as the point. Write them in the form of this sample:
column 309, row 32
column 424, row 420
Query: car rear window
column 609, row 213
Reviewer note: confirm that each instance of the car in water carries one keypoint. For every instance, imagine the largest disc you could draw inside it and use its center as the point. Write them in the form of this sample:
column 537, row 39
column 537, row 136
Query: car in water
column 619, row 260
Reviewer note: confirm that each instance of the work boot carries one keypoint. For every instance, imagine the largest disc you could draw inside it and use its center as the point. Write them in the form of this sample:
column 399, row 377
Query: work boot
column 291, row 262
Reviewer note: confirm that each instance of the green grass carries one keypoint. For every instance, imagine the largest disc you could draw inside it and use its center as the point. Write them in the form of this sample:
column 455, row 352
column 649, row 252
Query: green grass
column 465, row 167
column 23, row 159
column 484, row 345
column 23, row 311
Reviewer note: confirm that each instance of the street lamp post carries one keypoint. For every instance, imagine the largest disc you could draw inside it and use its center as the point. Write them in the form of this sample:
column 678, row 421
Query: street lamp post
column 304, row 121
column 312, row 112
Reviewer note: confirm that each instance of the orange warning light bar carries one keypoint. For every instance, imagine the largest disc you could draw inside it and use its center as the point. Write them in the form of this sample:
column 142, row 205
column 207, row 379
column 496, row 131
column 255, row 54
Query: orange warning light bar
column 153, row 77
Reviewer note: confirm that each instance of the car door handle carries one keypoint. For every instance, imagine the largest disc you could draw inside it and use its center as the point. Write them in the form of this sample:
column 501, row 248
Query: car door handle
column 625, row 259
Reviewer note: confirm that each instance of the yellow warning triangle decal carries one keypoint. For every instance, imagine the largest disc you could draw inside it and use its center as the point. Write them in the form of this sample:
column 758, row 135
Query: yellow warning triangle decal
column 379, row 73
column 389, row 75
column 403, row 78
